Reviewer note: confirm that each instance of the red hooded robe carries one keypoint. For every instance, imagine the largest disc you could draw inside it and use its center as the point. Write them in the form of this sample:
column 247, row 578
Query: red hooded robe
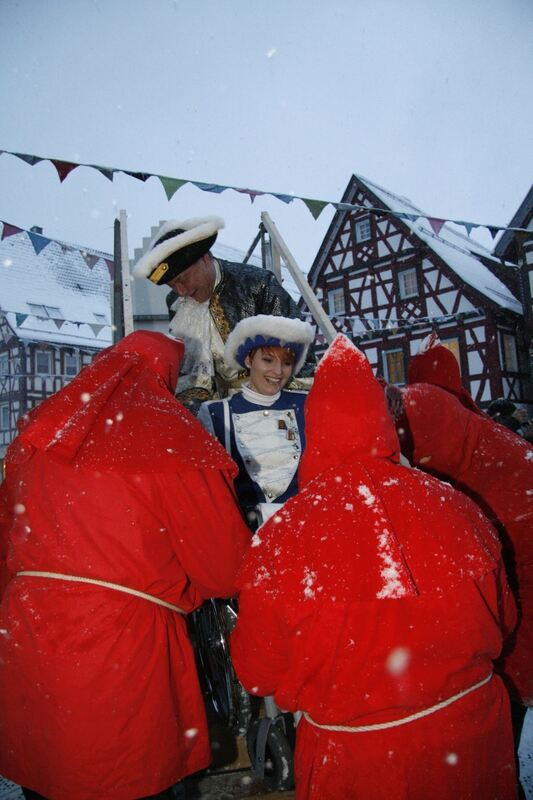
column 494, row 467
column 111, row 479
column 374, row 594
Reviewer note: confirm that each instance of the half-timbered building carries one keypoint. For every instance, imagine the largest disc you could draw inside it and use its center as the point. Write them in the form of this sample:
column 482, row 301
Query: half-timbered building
column 55, row 315
column 388, row 279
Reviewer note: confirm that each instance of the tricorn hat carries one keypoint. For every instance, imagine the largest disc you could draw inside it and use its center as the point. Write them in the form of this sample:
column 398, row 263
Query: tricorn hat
column 265, row 330
column 176, row 246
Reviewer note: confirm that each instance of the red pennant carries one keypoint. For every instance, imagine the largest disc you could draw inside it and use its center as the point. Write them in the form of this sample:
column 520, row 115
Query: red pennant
column 63, row 168
column 9, row 230
column 111, row 267
column 436, row 223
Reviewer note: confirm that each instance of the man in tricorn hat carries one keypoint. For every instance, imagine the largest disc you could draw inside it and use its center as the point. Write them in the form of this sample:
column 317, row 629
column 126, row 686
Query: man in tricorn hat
column 209, row 297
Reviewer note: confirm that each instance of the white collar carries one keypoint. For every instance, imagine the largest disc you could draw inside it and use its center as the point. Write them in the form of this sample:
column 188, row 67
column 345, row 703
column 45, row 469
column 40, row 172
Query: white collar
column 258, row 399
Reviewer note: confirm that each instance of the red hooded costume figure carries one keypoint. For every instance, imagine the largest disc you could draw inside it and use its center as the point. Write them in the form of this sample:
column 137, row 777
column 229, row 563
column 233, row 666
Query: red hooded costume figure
column 494, row 467
column 110, row 480
column 374, row 602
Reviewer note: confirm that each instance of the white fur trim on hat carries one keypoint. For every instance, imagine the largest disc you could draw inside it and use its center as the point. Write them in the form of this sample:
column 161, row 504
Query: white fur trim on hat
column 278, row 331
column 194, row 230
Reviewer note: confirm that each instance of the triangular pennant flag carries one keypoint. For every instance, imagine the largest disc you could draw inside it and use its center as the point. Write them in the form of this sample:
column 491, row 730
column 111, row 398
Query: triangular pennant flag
column 107, row 173
column 316, row 207
column 9, row 230
column 285, row 198
column 171, row 185
column 141, row 176
column 59, row 323
column 96, row 328
column 110, row 267
column 20, row 318
column 63, row 168
column 493, row 230
column 403, row 215
column 436, row 223
column 39, row 242
column 252, row 194
column 468, row 226
column 90, row 260
column 209, row 187
column 28, row 159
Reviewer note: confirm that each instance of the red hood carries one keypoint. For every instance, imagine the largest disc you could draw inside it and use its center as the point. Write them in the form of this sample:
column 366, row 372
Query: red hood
column 346, row 414
column 438, row 366
column 120, row 414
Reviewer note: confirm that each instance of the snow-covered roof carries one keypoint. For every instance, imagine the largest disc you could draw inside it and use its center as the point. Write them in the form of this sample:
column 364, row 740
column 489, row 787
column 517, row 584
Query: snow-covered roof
column 457, row 250
column 60, row 295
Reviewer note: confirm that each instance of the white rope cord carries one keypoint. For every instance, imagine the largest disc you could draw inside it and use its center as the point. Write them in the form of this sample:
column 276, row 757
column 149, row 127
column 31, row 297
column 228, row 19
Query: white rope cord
column 106, row 584
column 380, row 726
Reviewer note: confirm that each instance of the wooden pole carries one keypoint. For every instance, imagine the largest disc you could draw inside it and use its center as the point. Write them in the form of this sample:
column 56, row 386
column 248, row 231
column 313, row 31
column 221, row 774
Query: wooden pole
column 125, row 269
column 118, row 309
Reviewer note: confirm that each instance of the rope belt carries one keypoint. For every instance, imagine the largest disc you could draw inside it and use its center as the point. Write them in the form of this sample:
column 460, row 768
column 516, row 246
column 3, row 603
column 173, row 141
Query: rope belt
column 380, row 726
column 106, row 584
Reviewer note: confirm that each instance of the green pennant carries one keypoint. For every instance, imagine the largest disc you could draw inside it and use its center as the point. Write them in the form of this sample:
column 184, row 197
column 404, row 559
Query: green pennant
column 171, row 185
column 316, row 207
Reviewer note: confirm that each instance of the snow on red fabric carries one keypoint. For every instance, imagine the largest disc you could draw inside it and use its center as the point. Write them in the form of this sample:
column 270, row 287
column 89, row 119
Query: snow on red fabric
column 120, row 413
column 493, row 466
column 99, row 693
column 374, row 593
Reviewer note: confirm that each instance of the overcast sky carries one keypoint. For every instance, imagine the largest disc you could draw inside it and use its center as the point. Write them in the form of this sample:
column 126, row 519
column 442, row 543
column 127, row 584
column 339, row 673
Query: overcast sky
column 429, row 98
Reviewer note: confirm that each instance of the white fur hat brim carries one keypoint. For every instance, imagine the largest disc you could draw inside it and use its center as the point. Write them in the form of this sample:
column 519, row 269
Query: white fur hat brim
column 265, row 330
column 193, row 230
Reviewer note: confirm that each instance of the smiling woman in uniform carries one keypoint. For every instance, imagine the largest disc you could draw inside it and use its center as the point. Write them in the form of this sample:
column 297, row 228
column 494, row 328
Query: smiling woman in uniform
column 261, row 426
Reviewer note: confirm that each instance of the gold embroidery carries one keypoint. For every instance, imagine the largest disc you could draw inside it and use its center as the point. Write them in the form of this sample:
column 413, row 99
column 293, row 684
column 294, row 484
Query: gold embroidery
column 219, row 318
column 158, row 272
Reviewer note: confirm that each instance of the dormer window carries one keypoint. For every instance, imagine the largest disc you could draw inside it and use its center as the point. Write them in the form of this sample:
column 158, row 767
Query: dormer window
column 363, row 230
column 50, row 312
column 408, row 283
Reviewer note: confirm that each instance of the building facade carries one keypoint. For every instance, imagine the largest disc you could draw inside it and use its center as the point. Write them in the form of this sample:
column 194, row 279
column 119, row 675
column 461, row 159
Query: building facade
column 55, row 315
column 387, row 281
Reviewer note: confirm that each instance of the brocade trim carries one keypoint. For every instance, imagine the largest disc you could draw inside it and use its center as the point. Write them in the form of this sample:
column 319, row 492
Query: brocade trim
column 219, row 317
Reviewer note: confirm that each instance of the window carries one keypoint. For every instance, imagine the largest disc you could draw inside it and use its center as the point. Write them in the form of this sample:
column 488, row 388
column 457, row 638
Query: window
column 394, row 366
column 52, row 312
column 363, row 230
column 4, row 417
column 509, row 354
column 42, row 362
column 408, row 283
column 4, row 364
column 71, row 364
column 336, row 302
column 453, row 346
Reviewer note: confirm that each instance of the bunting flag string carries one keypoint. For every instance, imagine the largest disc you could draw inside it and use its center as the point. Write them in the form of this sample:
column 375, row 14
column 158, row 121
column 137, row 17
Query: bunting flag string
column 172, row 185
column 39, row 242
